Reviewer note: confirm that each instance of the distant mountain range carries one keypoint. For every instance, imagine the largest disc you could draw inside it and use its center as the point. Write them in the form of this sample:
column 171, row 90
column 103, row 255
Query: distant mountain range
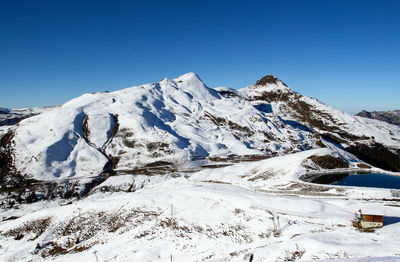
column 392, row 117
column 174, row 122
column 14, row 116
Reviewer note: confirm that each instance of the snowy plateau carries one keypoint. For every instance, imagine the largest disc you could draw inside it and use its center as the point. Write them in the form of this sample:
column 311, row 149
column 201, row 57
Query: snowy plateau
column 177, row 171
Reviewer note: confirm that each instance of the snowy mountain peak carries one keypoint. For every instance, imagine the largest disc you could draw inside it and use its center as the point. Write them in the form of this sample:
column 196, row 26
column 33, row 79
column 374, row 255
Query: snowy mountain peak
column 175, row 121
column 189, row 77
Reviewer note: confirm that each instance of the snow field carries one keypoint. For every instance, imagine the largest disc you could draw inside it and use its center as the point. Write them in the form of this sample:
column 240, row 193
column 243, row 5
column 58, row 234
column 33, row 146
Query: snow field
column 206, row 221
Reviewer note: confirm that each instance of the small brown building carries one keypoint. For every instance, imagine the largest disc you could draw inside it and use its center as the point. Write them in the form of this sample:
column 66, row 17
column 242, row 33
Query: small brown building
column 370, row 220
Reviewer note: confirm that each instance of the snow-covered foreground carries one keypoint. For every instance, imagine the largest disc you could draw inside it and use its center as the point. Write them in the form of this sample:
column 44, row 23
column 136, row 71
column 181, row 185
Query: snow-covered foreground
column 213, row 215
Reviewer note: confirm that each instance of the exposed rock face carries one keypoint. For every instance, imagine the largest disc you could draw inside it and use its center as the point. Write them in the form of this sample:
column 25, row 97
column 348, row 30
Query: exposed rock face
column 268, row 80
column 391, row 117
column 329, row 162
column 377, row 154
column 9, row 174
column 365, row 114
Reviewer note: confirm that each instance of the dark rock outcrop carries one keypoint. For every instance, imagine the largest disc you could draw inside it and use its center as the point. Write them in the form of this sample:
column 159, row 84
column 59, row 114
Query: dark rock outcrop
column 329, row 162
column 268, row 79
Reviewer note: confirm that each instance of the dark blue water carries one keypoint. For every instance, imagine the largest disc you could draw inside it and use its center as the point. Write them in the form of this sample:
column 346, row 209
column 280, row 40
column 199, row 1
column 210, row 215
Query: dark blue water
column 370, row 180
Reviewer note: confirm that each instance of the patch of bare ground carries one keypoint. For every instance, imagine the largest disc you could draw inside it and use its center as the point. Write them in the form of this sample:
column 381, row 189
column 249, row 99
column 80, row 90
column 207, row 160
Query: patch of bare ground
column 220, row 121
column 172, row 223
column 32, row 229
column 216, row 182
column 154, row 168
column 305, row 189
column 83, row 230
column 215, row 165
column 160, row 164
column 125, row 132
column 320, row 143
column 362, row 165
column 178, row 228
column 159, row 146
column 329, row 162
column 255, row 175
column 10, row 177
column 80, row 232
column 208, row 257
column 86, row 130
column 238, row 158
column 294, row 255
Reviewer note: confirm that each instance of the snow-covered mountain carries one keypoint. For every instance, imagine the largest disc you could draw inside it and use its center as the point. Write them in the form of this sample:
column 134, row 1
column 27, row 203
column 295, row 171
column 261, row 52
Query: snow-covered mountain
column 172, row 122
column 140, row 175
column 392, row 117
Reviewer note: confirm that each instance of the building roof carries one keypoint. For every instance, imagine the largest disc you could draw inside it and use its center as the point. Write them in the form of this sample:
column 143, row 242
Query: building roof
column 372, row 218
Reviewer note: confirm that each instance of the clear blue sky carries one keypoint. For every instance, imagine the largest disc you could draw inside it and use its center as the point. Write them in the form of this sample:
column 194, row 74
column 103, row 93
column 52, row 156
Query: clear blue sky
column 345, row 53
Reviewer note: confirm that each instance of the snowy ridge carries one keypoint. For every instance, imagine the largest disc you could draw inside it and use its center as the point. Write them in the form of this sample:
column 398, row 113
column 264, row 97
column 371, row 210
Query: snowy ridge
column 175, row 121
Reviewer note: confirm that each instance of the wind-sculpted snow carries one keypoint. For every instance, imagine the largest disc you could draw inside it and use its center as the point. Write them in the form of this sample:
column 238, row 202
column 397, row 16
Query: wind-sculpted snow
column 173, row 122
